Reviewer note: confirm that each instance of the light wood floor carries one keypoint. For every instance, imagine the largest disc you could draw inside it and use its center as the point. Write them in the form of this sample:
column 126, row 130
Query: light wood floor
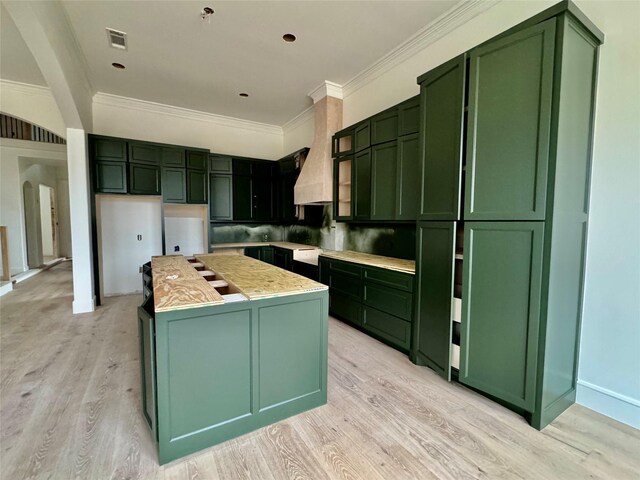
column 70, row 398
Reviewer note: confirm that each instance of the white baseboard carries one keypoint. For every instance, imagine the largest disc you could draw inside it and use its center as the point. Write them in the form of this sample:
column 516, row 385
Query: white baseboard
column 5, row 287
column 84, row 306
column 619, row 407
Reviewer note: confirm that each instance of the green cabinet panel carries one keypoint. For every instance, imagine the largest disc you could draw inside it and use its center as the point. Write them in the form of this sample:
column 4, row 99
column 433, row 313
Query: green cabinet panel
column 262, row 191
column 323, row 271
column 389, row 278
column 361, row 191
column 266, row 255
column 362, row 136
column 241, row 166
column 510, row 92
column 434, row 271
column 196, row 186
column 197, row 160
column 395, row 331
column 220, row 164
column 286, row 208
column 290, row 349
column 383, row 181
column 242, row 201
column 408, row 177
column 442, row 97
column 384, row 126
column 283, row 258
column 501, row 309
column 389, row 300
column 109, row 149
column 110, row 177
column 173, row 157
column 345, row 307
column 409, row 116
column 174, row 185
column 142, row 152
column 220, row 197
column 144, row 179
column 253, row 252
column 147, row 347
column 345, row 284
column 352, row 269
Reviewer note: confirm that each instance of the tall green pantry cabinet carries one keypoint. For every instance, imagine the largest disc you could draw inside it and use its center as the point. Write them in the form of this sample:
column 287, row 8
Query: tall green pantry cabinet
column 506, row 132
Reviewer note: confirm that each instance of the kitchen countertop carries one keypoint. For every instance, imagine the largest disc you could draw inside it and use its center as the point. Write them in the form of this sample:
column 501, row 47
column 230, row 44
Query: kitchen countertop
column 287, row 245
column 390, row 263
column 256, row 279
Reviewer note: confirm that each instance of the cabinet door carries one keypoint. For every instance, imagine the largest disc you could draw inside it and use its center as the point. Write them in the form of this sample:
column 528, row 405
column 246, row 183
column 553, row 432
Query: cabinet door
column 383, row 181
column 362, row 186
column 282, row 258
column 342, row 188
column 501, row 309
column 220, row 164
column 220, row 197
column 408, row 175
column 409, row 116
column 266, row 254
column 362, row 136
column 262, row 193
column 144, row 179
column 146, row 337
column 432, row 325
column 343, row 143
column 286, row 207
column 173, row 157
column 140, row 152
column 109, row 149
column 197, row 160
column 110, row 177
column 393, row 330
column 196, row 186
column 253, row 252
column 242, row 201
column 442, row 97
column 510, row 92
column 384, row 127
column 174, row 185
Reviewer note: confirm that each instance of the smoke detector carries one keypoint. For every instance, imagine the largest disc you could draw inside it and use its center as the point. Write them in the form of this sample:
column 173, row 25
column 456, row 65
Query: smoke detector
column 117, row 39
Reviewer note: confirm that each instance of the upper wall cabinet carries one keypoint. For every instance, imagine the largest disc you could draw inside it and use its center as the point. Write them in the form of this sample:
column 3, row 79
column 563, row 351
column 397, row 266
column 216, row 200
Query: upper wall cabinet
column 173, row 157
column 409, row 116
column 384, row 126
column 343, row 142
column 383, row 181
column 197, row 159
column 220, row 164
column 442, row 91
column 108, row 149
column 362, row 136
column 408, row 177
column 141, row 152
column 510, row 92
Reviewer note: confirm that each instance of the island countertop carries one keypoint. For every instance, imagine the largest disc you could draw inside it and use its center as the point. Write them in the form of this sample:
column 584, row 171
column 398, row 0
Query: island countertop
column 256, row 279
column 390, row 263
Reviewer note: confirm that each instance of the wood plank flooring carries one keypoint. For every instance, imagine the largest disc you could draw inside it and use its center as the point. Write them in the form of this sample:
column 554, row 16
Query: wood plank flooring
column 70, row 409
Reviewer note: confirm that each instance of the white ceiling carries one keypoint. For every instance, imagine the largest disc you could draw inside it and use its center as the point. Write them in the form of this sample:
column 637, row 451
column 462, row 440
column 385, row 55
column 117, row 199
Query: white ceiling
column 176, row 58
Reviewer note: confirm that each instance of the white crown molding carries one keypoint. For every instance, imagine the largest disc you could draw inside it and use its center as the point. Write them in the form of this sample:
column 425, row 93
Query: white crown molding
column 326, row 89
column 117, row 101
column 25, row 88
column 301, row 118
column 461, row 13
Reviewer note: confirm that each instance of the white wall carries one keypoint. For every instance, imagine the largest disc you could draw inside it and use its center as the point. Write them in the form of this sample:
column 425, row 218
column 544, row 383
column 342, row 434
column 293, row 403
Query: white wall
column 610, row 343
column 141, row 120
column 298, row 132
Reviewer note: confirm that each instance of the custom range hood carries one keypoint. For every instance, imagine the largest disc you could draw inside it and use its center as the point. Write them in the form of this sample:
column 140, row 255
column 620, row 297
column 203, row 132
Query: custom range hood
column 315, row 183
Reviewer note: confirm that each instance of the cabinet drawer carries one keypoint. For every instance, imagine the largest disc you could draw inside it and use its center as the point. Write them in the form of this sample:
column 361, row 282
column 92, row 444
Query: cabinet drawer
column 390, row 278
column 389, row 300
column 345, row 267
column 345, row 307
column 345, row 284
column 388, row 327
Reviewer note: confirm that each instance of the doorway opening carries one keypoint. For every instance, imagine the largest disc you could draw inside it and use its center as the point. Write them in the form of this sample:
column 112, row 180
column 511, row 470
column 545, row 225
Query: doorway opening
column 48, row 224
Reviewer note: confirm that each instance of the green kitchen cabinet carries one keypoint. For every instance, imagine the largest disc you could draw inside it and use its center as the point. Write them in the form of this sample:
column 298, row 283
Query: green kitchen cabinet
column 110, row 177
column 197, row 159
column 408, row 177
column 501, row 293
column 434, row 276
column 147, row 349
column 220, row 164
column 145, row 153
column 242, row 201
column 220, row 197
column 442, row 97
column 343, row 142
column 409, row 116
column 362, row 136
column 283, row 258
column 384, row 126
column 284, row 192
column 361, row 188
column 253, row 252
column 267, row 255
column 173, row 157
column 196, row 186
column 384, row 172
column 342, row 188
column 107, row 149
column 262, row 191
column 510, row 94
column 144, row 179
column 174, row 185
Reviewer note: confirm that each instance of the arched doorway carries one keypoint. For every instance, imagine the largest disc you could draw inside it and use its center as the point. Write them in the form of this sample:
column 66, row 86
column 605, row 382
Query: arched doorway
column 31, row 220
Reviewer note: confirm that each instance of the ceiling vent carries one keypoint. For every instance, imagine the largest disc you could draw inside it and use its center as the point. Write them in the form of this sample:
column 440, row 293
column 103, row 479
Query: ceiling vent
column 117, row 39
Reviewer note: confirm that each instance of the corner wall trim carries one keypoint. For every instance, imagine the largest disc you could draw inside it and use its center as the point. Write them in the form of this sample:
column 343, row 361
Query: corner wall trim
column 607, row 402
column 84, row 306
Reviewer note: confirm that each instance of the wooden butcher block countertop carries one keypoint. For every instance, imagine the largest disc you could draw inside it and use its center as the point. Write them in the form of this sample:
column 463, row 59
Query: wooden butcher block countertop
column 256, row 279
column 287, row 245
column 390, row 263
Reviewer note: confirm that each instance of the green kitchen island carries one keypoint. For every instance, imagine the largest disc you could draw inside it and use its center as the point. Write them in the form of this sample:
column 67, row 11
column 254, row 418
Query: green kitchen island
column 228, row 344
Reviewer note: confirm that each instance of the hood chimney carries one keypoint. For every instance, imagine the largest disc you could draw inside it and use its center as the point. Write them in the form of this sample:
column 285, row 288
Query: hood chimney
column 315, row 182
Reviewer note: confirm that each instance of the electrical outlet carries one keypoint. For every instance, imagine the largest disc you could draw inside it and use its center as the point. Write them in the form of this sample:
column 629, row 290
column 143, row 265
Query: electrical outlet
column 176, row 248
column 140, row 269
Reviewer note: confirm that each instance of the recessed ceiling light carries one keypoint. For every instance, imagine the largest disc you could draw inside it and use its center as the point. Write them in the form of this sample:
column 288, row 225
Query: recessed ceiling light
column 289, row 37
column 243, row 94
column 119, row 66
